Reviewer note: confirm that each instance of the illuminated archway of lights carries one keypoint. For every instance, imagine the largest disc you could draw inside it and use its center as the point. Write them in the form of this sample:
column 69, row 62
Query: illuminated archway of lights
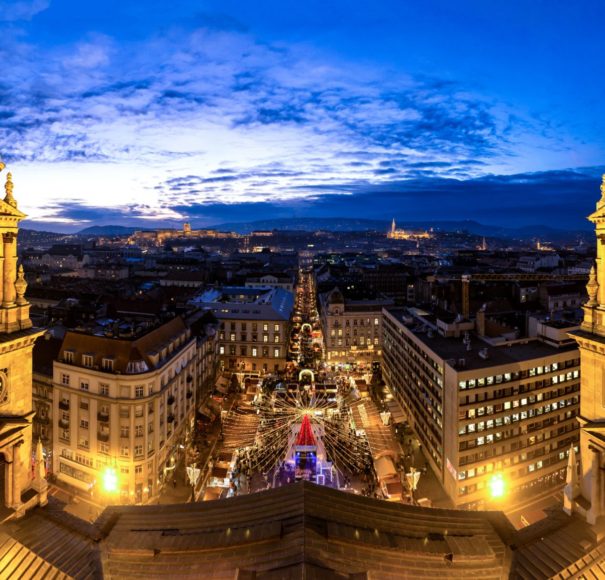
column 265, row 432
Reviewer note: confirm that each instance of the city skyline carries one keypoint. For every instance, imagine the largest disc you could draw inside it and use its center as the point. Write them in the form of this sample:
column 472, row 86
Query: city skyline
column 135, row 115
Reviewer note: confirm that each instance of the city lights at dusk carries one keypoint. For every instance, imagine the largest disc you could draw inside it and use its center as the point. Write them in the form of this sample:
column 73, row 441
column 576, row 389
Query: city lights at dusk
column 302, row 290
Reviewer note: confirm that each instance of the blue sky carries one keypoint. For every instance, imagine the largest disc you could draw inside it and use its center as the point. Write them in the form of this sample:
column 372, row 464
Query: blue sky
column 152, row 112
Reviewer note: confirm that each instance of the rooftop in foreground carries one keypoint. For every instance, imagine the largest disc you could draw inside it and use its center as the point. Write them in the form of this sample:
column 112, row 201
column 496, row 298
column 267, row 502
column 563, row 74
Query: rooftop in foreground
column 297, row 531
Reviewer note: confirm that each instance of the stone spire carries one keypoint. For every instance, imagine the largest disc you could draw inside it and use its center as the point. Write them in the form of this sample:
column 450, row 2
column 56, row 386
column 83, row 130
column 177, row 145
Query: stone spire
column 393, row 226
column 601, row 202
column 39, row 483
column 572, row 488
column 584, row 492
column 9, row 191
column 592, row 287
column 20, row 286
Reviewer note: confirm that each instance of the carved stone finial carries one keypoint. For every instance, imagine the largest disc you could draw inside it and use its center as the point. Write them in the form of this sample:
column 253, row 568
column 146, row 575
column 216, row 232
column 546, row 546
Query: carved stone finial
column 9, row 190
column 592, row 287
column 21, row 285
column 2, row 166
column 601, row 202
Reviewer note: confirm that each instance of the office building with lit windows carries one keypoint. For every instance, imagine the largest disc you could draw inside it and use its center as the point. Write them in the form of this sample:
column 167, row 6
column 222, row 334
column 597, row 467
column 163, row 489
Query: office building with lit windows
column 121, row 409
column 254, row 329
column 484, row 413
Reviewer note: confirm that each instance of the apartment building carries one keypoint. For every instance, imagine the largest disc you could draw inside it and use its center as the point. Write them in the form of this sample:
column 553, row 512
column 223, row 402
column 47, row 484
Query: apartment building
column 254, row 327
column 121, row 410
column 351, row 328
column 506, row 410
column 46, row 351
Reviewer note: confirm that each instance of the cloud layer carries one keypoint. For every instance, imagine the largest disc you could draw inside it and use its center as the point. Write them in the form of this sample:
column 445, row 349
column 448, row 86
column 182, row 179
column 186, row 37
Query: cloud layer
column 209, row 122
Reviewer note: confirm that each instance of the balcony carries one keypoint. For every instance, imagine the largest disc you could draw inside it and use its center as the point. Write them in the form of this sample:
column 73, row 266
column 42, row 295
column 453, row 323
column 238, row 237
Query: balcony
column 63, row 424
column 64, row 405
column 103, row 437
column 103, row 416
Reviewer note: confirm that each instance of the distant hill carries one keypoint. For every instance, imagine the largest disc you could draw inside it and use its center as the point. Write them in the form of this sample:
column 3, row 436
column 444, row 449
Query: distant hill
column 109, row 231
column 28, row 237
column 357, row 224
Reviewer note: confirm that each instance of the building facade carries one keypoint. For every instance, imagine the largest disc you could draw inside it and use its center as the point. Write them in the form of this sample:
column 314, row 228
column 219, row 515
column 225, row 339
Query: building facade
column 586, row 494
column 507, row 411
column 352, row 329
column 254, row 327
column 46, row 351
column 122, row 409
column 17, row 337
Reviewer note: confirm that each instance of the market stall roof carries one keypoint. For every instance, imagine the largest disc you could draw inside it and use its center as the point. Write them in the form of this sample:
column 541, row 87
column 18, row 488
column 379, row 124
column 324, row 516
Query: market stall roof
column 222, row 384
column 385, row 468
column 397, row 414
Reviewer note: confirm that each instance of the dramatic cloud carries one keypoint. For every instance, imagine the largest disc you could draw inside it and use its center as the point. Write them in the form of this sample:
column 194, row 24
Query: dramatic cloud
column 166, row 124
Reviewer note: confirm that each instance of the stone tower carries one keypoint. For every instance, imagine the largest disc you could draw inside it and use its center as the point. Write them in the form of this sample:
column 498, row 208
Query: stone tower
column 588, row 495
column 17, row 338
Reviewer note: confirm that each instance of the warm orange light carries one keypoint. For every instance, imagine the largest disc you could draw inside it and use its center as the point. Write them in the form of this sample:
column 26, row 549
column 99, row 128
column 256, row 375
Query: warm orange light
column 497, row 486
column 110, row 480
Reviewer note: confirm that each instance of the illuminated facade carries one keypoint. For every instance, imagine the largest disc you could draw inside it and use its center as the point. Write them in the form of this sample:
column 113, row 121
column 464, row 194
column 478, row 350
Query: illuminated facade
column 587, row 495
column 158, row 237
column 396, row 234
column 121, row 409
column 254, row 331
column 351, row 328
column 17, row 339
column 481, row 414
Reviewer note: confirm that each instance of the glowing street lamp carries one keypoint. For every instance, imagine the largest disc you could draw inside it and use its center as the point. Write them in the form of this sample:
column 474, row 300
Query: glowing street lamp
column 110, row 480
column 497, row 486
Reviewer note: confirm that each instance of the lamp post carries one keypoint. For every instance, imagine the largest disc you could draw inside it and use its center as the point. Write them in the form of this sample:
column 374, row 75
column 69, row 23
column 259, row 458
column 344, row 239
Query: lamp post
column 412, row 478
